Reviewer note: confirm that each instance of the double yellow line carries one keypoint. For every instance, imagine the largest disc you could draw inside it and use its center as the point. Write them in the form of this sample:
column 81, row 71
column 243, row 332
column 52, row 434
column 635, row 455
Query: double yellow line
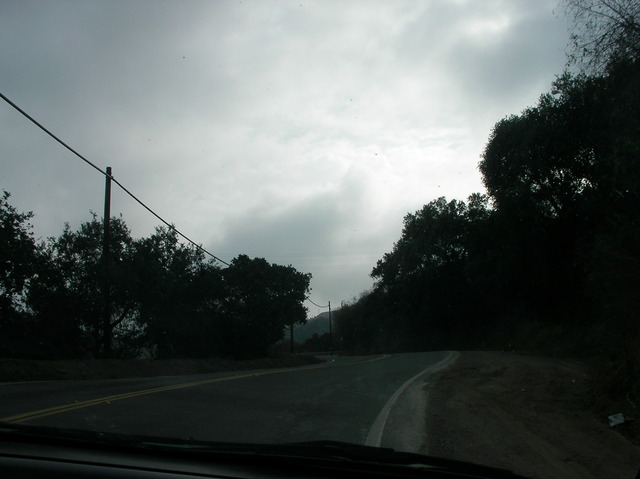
column 31, row 415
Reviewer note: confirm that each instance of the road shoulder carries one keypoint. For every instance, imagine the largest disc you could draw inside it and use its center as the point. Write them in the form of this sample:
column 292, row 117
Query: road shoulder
column 401, row 423
column 523, row 413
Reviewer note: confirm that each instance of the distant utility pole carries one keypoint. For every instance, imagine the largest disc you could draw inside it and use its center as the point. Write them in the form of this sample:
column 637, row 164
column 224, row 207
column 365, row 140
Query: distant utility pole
column 330, row 332
column 330, row 326
column 106, row 311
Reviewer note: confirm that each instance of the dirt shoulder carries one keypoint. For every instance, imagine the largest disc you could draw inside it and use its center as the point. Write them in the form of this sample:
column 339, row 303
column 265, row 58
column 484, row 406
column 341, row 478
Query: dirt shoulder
column 528, row 414
column 12, row 370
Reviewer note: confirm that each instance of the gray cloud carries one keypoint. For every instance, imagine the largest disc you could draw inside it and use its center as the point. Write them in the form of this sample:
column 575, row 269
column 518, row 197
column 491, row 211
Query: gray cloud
column 298, row 131
column 318, row 235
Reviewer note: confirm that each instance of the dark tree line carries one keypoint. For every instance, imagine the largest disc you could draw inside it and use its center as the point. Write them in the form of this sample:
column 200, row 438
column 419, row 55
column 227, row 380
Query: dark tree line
column 167, row 300
column 550, row 258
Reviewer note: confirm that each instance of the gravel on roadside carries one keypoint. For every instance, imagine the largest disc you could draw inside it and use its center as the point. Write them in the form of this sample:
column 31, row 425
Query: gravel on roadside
column 531, row 415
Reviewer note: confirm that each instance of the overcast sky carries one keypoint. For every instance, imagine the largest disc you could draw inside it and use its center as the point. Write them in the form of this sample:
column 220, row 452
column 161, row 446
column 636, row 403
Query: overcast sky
column 298, row 131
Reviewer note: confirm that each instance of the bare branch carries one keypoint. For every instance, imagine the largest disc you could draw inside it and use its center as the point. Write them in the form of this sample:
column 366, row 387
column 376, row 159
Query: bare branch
column 603, row 31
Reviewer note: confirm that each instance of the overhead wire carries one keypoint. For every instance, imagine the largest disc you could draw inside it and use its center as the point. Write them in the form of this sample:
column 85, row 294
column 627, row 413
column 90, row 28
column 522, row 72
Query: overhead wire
column 35, row 122
column 317, row 305
column 126, row 190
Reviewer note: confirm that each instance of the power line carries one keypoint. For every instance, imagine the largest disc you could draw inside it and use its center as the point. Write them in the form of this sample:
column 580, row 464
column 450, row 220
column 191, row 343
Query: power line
column 166, row 223
column 35, row 122
column 318, row 304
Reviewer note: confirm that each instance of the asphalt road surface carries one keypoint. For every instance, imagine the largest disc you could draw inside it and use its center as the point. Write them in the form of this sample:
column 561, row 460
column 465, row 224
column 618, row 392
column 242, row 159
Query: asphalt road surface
column 374, row 400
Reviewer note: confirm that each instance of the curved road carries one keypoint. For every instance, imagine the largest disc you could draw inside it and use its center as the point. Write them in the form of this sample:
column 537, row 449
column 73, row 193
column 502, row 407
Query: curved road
column 374, row 400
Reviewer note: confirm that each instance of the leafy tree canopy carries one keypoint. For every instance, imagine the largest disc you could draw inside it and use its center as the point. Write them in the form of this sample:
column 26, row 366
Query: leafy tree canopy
column 17, row 256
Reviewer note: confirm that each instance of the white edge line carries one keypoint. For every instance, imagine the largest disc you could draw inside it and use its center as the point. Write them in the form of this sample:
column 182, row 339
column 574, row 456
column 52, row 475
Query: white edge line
column 374, row 437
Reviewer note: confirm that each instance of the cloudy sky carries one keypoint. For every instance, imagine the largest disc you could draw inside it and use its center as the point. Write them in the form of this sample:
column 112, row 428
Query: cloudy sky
column 299, row 131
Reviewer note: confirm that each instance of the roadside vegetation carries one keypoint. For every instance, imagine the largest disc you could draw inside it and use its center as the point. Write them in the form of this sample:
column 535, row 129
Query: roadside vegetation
column 549, row 259
column 165, row 299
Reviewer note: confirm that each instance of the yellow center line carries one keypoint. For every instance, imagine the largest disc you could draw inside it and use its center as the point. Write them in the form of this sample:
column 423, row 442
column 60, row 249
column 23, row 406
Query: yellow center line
column 28, row 416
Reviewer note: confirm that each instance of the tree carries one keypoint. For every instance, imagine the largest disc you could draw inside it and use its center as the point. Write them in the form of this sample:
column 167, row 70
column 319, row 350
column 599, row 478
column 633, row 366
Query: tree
column 317, row 343
column 372, row 323
column 261, row 300
column 165, row 299
column 425, row 278
column 178, row 294
column 430, row 238
column 543, row 161
column 603, row 32
column 19, row 259
column 555, row 244
column 71, row 289
column 563, row 177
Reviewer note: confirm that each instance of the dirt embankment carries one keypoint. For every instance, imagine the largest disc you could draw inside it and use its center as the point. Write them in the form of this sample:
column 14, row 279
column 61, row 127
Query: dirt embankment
column 531, row 415
column 27, row 370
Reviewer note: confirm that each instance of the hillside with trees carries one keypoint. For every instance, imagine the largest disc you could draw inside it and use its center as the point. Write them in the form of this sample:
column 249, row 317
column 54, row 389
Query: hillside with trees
column 549, row 259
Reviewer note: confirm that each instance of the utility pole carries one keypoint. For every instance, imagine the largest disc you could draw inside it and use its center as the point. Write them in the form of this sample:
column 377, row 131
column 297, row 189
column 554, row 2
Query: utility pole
column 106, row 311
column 330, row 332
column 291, row 336
column 330, row 326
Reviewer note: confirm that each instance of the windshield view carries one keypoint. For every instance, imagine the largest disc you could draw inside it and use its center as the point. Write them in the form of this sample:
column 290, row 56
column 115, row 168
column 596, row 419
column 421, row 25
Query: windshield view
column 330, row 228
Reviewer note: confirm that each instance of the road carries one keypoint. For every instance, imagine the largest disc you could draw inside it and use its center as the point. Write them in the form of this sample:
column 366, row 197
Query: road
column 374, row 400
